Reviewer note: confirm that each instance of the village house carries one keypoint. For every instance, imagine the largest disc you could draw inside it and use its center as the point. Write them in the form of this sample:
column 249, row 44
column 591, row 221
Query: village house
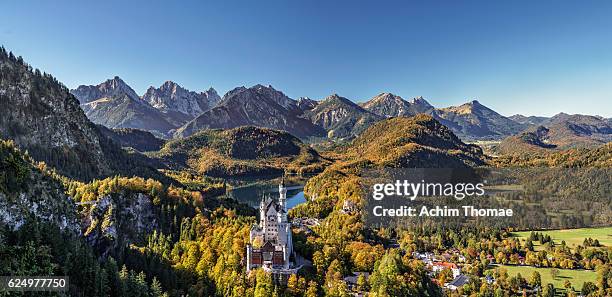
column 439, row 266
column 458, row 282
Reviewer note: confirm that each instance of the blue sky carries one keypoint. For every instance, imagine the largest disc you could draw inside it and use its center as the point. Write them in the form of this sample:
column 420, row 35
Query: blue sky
column 529, row 57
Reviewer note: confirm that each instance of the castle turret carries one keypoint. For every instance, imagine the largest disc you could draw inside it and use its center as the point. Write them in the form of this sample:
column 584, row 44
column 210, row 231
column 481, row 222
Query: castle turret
column 282, row 199
column 249, row 259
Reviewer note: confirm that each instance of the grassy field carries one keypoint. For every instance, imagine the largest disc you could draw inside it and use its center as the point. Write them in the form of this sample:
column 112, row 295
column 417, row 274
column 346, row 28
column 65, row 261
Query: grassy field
column 574, row 237
column 576, row 277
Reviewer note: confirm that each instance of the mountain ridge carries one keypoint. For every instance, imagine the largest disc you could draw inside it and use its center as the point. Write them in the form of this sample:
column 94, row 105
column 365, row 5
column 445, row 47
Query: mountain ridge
column 341, row 117
column 42, row 117
column 474, row 120
column 391, row 105
column 259, row 105
column 183, row 112
column 170, row 96
column 114, row 104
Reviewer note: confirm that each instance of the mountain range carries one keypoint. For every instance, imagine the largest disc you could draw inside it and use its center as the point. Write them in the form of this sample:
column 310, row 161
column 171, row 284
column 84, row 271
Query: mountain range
column 114, row 104
column 171, row 111
column 261, row 106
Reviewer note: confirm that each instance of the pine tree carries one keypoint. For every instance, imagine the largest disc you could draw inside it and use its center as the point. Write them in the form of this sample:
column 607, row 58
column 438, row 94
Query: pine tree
column 124, row 276
column 156, row 289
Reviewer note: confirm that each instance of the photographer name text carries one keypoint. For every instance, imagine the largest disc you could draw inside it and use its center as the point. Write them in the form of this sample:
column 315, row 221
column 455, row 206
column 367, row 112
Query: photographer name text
column 437, row 211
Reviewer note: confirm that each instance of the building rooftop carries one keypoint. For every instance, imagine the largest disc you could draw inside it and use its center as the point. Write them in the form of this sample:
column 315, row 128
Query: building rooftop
column 459, row 281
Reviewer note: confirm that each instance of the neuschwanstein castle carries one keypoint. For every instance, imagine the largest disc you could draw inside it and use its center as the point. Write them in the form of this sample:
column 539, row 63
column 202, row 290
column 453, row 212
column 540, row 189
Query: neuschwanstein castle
column 271, row 243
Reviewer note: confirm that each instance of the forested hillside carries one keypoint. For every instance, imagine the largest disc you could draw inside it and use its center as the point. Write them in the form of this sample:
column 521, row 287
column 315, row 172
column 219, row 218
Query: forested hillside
column 41, row 116
column 241, row 151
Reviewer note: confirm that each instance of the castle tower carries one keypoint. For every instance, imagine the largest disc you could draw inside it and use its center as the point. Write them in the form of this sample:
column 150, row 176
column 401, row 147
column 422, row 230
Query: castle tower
column 248, row 254
column 282, row 190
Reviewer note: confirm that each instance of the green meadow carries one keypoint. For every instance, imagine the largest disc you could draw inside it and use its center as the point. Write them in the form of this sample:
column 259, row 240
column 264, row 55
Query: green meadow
column 574, row 237
column 576, row 277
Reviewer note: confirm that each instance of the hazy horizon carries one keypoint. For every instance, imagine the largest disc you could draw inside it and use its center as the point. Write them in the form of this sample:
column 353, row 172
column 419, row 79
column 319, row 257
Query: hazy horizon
column 532, row 59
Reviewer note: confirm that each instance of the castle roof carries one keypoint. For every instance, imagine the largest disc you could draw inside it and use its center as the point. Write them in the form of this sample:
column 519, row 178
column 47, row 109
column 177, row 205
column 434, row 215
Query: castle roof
column 267, row 247
column 269, row 202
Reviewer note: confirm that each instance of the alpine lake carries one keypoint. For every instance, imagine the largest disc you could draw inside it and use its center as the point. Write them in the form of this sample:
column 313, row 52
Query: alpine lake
column 252, row 192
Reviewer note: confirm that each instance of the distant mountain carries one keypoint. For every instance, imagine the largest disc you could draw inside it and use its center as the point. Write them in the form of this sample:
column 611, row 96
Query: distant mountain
column 578, row 130
column 341, row 117
column 139, row 140
column 115, row 104
column 170, row 97
column 108, row 89
column 389, row 105
column 528, row 120
column 259, row 106
column 475, row 121
column 122, row 111
column 245, row 151
column 172, row 111
column 469, row 121
column 594, row 124
column 420, row 105
column 561, row 131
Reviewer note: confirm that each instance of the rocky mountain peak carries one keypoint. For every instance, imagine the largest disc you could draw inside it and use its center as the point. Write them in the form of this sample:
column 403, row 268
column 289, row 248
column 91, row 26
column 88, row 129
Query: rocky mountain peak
column 259, row 105
column 268, row 92
column 116, row 86
column 170, row 86
column 113, row 87
column 418, row 98
column 305, row 103
column 474, row 120
column 337, row 98
column 475, row 102
column 211, row 92
column 382, row 97
column 390, row 105
column 171, row 97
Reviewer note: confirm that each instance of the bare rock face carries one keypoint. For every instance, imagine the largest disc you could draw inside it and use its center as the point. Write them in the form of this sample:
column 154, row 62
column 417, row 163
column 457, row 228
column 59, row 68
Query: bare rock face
column 170, row 97
column 124, row 112
column 260, row 106
column 118, row 220
column 305, row 103
column 114, row 104
column 27, row 193
column 39, row 202
column 108, row 89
